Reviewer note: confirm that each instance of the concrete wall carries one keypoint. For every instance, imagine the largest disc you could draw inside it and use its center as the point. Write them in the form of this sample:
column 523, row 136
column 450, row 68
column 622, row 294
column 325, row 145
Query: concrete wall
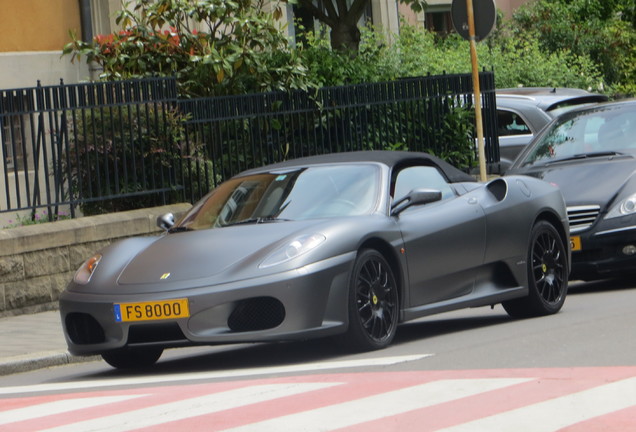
column 25, row 69
column 38, row 261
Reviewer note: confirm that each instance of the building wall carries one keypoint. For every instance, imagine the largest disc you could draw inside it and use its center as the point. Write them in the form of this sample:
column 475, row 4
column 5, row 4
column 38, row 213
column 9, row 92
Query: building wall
column 386, row 16
column 37, row 25
column 410, row 17
column 103, row 14
column 25, row 69
column 509, row 6
column 33, row 35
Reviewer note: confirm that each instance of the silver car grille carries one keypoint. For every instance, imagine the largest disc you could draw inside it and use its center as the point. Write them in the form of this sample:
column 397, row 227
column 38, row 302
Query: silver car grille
column 582, row 217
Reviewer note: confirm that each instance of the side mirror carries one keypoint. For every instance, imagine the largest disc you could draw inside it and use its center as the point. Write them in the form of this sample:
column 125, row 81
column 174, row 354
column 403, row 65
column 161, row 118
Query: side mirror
column 165, row 221
column 415, row 197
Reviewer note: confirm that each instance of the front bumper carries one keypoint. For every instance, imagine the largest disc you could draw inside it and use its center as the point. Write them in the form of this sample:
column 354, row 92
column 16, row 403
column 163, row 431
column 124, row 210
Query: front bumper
column 297, row 304
column 606, row 250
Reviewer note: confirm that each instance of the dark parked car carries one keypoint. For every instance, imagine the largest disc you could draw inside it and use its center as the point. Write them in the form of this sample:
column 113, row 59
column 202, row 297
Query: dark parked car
column 523, row 112
column 590, row 154
column 347, row 244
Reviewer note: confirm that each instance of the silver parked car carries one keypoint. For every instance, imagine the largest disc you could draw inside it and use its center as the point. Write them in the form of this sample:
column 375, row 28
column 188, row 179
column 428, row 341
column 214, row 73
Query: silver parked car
column 523, row 112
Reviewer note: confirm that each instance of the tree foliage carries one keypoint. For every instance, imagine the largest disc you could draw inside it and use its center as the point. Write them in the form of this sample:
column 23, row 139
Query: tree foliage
column 572, row 43
column 375, row 60
column 213, row 47
column 603, row 30
column 516, row 62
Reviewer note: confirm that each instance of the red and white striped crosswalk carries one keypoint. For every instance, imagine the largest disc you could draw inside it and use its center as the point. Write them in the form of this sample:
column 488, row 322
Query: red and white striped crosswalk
column 537, row 400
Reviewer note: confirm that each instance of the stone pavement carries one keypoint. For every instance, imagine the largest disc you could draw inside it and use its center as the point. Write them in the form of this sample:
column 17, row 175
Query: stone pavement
column 33, row 341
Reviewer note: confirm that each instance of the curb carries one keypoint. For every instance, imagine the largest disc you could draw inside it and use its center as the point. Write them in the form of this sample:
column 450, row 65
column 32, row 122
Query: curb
column 31, row 362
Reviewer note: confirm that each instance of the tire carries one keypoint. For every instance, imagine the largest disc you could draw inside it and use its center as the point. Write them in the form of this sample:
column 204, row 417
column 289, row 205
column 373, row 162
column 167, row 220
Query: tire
column 132, row 358
column 547, row 275
column 373, row 303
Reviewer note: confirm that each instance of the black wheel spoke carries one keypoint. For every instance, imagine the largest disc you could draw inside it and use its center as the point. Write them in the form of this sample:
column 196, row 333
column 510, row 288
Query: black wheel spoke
column 547, row 274
column 376, row 299
column 548, row 267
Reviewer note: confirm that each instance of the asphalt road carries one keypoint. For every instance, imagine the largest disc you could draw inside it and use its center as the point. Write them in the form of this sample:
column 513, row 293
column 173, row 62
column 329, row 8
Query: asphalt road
column 591, row 337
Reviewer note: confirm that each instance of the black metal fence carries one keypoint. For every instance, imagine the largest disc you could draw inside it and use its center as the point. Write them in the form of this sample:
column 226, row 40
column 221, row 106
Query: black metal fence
column 112, row 146
column 84, row 144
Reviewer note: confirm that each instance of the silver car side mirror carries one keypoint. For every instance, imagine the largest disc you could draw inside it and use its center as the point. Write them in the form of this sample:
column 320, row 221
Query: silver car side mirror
column 165, row 221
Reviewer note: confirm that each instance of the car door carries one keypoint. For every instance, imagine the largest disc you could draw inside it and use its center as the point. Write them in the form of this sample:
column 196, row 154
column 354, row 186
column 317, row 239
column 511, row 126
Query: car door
column 444, row 241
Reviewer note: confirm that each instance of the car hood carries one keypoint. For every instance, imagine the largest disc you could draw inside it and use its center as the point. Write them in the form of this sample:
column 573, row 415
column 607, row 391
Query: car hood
column 585, row 182
column 203, row 254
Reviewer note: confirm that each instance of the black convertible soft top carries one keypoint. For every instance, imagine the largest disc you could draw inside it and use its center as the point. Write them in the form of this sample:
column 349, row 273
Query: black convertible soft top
column 389, row 158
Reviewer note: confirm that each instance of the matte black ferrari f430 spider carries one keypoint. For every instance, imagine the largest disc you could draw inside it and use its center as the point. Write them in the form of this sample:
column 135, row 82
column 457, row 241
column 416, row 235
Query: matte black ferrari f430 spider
column 346, row 245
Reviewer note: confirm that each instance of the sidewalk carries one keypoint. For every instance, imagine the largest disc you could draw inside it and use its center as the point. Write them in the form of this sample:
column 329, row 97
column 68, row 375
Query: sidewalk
column 33, row 341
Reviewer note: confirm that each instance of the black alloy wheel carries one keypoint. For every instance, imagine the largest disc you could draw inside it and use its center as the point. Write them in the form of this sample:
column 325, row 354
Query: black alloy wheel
column 547, row 274
column 373, row 303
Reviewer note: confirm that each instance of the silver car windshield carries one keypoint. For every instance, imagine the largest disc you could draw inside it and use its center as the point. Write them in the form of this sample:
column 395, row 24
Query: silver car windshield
column 598, row 132
column 304, row 193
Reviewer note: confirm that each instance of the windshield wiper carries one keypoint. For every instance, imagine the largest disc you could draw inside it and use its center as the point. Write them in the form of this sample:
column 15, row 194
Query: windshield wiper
column 179, row 229
column 579, row 156
column 257, row 220
column 271, row 219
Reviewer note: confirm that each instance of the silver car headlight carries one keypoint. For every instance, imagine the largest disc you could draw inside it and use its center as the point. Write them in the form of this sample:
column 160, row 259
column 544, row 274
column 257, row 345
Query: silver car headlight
column 626, row 206
column 298, row 246
column 85, row 272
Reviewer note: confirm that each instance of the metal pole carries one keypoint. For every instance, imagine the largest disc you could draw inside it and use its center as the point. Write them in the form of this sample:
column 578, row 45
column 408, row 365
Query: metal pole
column 86, row 20
column 478, row 120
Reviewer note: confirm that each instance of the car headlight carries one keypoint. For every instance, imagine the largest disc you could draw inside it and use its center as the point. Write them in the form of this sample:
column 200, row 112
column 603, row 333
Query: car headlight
column 625, row 207
column 298, row 246
column 85, row 272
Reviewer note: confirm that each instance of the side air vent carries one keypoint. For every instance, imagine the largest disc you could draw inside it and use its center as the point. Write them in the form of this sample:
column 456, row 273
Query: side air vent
column 83, row 329
column 582, row 217
column 498, row 188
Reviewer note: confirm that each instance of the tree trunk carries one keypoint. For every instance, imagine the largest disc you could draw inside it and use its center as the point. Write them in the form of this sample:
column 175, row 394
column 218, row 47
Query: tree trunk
column 345, row 37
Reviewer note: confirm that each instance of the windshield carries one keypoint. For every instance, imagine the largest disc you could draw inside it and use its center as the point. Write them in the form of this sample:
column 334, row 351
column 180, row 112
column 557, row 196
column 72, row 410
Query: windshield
column 600, row 132
column 303, row 193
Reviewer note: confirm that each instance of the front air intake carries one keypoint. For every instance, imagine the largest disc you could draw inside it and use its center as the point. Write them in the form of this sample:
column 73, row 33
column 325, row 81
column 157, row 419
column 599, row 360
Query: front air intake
column 582, row 217
column 159, row 332
column 259, row 313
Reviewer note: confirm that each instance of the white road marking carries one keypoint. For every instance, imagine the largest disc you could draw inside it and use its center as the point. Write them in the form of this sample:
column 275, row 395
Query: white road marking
column 555, row 414
column 58, row 407
column 379, row 406
column 194, row 376
column 183, row 409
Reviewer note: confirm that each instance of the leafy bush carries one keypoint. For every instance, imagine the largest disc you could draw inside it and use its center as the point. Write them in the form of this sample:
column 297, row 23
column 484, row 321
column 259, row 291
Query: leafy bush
column 516, row 62
column 455, row 139
column 440, row 126
column 213, row 47
column 602, row 30
column 375, row 61
column 134, row 157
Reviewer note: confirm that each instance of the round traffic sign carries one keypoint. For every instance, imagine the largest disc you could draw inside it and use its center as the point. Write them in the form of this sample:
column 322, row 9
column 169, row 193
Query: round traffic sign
column 484, row 13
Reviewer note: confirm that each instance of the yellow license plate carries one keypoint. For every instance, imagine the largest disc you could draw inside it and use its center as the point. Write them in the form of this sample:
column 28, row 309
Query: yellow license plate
column 575, row 243
column 152, row 311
